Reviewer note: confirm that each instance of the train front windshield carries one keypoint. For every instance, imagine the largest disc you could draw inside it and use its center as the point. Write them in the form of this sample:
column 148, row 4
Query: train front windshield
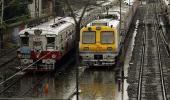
column 50, row 42
column 24, row 41
column 107, row 37
column 89, row 37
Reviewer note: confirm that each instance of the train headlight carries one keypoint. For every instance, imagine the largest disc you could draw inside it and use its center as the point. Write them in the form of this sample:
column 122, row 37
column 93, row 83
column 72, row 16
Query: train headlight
column 87, row 56
column 25, row 61
column 86, row 48
column 110, row 56
column 98, row 28
column 109, row 48
column 54, row 56
column 48, row 61
column 89, row 29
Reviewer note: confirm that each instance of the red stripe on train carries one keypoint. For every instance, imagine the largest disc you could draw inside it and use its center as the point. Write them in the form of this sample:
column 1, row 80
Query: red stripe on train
column 46, row 55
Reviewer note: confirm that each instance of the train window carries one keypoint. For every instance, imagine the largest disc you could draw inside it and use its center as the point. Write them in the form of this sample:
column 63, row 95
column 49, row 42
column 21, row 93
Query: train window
column 50, row 41
column 67, row 34
column 89, row 37
column 107, row 37
column 70, row 33
column 99, row 24
column 24, row 41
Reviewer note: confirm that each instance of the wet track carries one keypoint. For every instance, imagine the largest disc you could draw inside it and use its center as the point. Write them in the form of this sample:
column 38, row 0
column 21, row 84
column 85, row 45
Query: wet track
column 148, row 73
column 94, row 83
column 98, row 84
column 61, row 83
column 7, row 56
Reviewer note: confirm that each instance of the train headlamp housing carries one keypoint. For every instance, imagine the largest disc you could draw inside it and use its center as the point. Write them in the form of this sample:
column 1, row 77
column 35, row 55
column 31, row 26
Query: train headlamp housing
column 86, row 48
column 25, row 61
column 87, row 56
column 53, row 56
column 109, row 56
column 37, row 32
column 48, row 61
column 89, row 29
column 98, row 28
column 109, row 49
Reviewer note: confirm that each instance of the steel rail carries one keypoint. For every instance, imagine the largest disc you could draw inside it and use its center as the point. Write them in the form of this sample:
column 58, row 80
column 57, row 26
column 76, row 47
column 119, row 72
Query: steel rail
column 159, row 55
column 12, row 84
column 162, row 35
column 155, row 33
column 7, row 52
column 141, row 65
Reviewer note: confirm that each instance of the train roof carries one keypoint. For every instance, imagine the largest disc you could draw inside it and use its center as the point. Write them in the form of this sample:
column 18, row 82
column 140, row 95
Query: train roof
column 51, row 27
column 104, row 22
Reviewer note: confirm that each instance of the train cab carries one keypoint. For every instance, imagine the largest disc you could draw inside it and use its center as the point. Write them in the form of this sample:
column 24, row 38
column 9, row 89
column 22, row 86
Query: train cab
column 44, row 45
column 99, row 42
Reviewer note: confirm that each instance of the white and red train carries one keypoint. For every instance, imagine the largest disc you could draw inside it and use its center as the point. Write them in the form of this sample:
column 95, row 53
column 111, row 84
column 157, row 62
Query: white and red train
column 46, row 44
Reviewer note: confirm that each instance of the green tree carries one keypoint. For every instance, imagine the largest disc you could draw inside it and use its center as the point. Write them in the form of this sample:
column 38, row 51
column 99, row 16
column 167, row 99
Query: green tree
column 14, row 9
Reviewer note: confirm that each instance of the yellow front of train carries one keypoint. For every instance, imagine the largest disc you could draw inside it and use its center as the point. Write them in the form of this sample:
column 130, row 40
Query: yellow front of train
column 98, row 45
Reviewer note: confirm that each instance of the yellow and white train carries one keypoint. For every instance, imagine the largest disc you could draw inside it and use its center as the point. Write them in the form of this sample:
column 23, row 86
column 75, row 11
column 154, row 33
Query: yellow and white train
column 101, row 40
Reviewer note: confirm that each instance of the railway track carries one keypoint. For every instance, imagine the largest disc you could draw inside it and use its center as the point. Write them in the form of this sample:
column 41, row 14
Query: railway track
column 152, row 85
column 4, row 52
column 149, row 71
column 28, row 90
column 7, row 56
column 6, row 71
column 8, row 64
